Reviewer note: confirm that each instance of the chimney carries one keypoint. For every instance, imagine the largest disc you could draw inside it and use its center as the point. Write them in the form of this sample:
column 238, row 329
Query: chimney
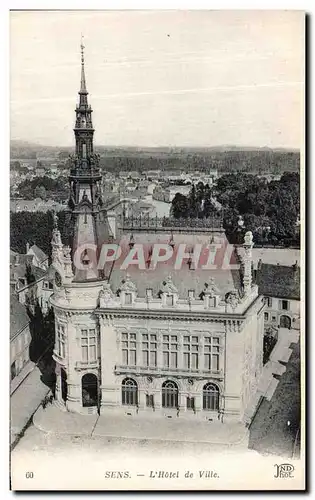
column 17, row 260
column 27, row 247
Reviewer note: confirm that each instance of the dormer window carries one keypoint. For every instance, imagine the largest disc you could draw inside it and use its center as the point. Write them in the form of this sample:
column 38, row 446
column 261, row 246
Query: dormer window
column 85, row 258
column 191, row 294
column 128, row 299
column 128, row 292
column 168, row 293
column 211, row 302
column 169, row 300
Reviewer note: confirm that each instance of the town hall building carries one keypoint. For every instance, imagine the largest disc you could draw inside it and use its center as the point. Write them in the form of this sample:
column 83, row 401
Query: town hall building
column 176, row 339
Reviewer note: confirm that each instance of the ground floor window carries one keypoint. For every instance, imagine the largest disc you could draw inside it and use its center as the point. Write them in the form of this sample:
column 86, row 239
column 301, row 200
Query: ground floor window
column 149, row 400
column 169, row 395
column 190, row 403
column 129, row 392
column 210, row 397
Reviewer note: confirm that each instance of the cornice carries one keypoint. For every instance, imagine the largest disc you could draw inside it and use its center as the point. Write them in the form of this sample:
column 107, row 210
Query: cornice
column 169, row 315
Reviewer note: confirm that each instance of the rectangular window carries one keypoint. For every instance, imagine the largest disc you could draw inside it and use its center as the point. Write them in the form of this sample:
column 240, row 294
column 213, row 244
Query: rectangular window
column 170, row 348
column 274, row 318
column 284, row 305
column 212, row 353
column 88, row 345
column 266, row 316
column 169, row 300
column 128, row 298
column 149, row 400
column 211, row 301
column 129, row 350
column 149, row 350
column 190, row 403
column 269, row 301
column 191, row 352
column 61, row 341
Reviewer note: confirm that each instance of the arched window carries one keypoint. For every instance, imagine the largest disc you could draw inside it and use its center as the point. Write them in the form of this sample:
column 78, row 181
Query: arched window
column 129, row 392
column 210, row 397
column 169, row 395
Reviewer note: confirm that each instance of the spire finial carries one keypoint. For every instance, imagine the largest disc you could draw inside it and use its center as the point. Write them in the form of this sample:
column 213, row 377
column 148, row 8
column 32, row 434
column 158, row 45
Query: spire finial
column 82, row 50
column 83, row 84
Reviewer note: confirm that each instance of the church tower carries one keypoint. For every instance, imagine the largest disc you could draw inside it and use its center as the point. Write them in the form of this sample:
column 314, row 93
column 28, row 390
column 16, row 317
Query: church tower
column 78, row 282
column 85, row 177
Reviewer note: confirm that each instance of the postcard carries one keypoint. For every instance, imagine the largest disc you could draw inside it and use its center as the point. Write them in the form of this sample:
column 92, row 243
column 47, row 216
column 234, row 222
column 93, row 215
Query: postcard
column 157, row 305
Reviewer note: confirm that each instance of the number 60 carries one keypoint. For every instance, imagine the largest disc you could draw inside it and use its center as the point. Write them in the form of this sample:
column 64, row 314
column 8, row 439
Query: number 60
column 29, row 475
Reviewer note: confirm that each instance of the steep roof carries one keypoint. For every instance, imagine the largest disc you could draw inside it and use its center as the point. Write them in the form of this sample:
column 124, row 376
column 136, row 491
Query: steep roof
column 38, row 252
column 279, row 281
column 186, row 278
column 18, row 264
column 18, row 316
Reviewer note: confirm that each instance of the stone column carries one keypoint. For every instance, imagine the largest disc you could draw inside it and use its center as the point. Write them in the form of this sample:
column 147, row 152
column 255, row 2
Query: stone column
column 58, row 395
column 159, row 350
column 157, row 399
column 198, row 401
column 182, row 401
column 248, row 245
column 110, row 388
column 142, row 398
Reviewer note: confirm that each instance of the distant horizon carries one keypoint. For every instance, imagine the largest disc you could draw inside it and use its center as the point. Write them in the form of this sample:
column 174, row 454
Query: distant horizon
column 162, row 146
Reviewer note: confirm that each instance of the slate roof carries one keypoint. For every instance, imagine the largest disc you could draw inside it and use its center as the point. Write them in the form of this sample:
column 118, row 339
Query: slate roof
column 38, row 252
column 18, row 316
column 279, row 281
column 186, row 278
column 19, row 270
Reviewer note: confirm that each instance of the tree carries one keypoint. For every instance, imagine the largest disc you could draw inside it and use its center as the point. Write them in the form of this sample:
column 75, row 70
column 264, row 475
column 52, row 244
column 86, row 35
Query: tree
column 180, row 206
column 40, row 192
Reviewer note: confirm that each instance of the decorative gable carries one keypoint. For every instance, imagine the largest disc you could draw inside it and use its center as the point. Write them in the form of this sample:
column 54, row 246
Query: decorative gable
column 169, row 293
column 128, row 291
column 106, row 296
column 210, row 294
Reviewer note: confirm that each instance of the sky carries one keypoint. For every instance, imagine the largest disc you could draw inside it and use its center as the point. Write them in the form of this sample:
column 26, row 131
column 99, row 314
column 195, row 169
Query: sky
column 160, row 78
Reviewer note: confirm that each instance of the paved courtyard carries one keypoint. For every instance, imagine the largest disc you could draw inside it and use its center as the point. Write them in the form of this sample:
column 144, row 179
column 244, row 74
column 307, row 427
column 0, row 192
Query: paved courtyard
column 53, row 420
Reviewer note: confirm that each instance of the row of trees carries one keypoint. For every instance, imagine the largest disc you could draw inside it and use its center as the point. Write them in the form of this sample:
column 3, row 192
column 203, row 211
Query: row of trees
column 36, row 228
column 199, row 203
column 269, row 209
column 250, row 161
column 44, row 187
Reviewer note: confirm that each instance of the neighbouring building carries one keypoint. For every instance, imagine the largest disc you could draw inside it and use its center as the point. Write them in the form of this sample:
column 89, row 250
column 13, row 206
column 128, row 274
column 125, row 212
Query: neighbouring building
column 40, row 259
column 36, row 205
column 20, row 339
column 280, row 286
column 184, row 343
column 30, row 283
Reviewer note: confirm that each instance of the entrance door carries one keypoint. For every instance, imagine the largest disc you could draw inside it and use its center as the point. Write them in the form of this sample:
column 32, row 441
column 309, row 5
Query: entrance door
column 64, row 385
column 285, row 322
column 89, row 390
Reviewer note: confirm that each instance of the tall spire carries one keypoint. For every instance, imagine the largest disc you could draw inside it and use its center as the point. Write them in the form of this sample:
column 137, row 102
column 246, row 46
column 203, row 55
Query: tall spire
column 83, row 83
